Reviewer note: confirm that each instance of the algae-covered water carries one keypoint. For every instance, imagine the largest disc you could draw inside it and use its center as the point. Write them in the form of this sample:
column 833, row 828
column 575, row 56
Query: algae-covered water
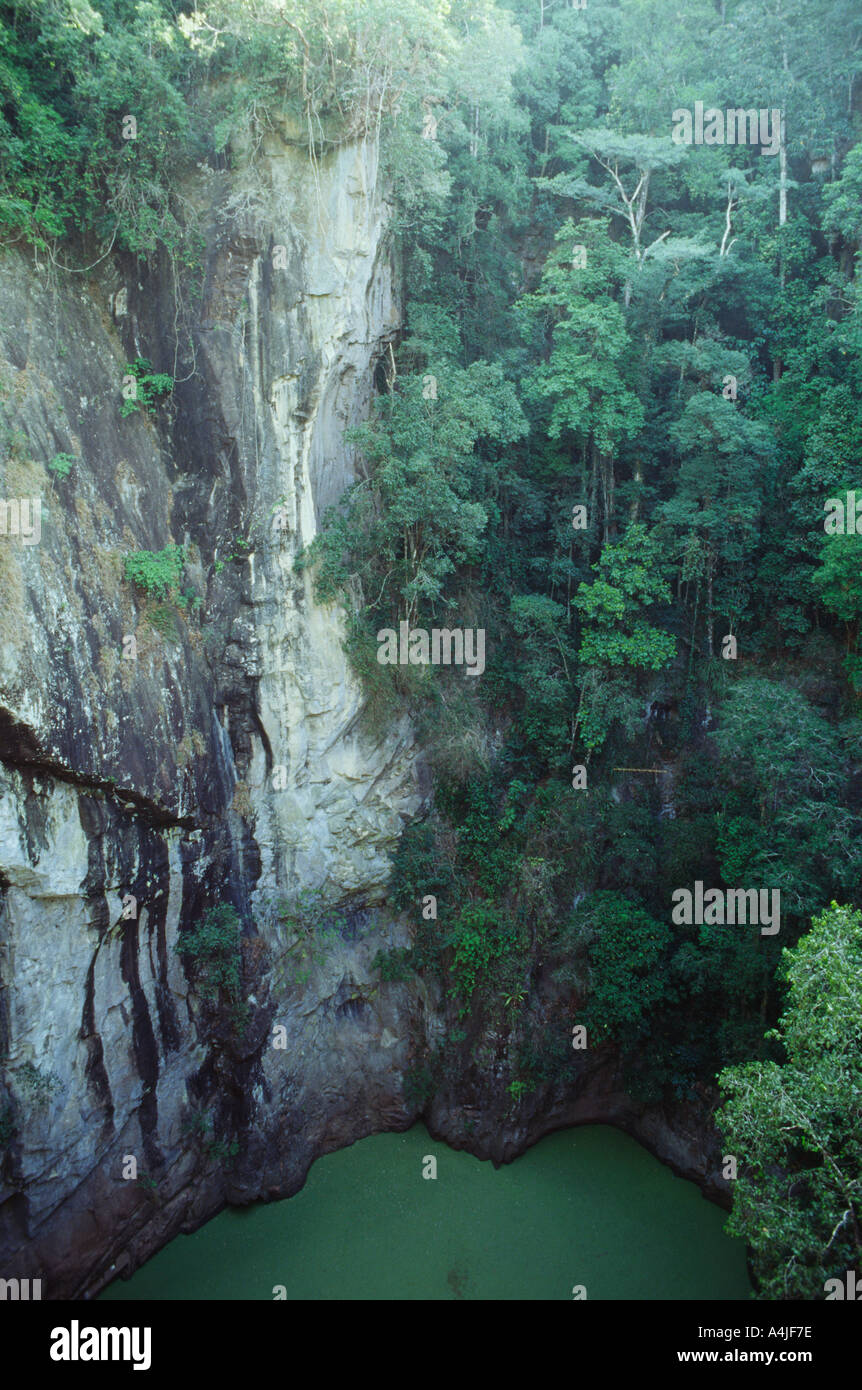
column 584, row 1206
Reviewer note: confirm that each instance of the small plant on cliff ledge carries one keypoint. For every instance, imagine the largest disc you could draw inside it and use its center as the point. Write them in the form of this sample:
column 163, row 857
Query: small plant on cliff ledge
column 200, row 1126
column 150, row 1186
column 143, row 387
column 157, row 572
column 40, row 1086
column 221, row 1150
column 308, row 926
column 239, row 549
column 196, row 1123
column 214, row 950
column 515, row 999
column 61, row 465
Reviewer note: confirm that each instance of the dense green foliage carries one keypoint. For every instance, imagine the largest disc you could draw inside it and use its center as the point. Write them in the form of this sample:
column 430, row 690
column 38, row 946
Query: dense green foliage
column 70, row 75
column 795, row 1122
column 657, row 342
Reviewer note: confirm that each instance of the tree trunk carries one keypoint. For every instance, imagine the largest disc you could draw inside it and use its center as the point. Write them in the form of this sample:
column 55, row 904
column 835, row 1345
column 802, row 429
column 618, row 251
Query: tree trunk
column 634, row 510
column 693, row 629
column 782, row 184
column 610, row 494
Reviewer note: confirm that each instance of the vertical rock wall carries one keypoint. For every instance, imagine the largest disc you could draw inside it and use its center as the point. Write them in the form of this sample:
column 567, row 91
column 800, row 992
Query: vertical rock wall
column 226, row 761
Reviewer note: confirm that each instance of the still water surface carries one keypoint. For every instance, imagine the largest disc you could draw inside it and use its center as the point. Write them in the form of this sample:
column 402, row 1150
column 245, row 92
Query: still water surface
column 583, row 1206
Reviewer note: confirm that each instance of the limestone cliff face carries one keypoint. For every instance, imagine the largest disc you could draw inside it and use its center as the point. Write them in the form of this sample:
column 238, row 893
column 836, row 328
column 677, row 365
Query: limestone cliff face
column 225, row 761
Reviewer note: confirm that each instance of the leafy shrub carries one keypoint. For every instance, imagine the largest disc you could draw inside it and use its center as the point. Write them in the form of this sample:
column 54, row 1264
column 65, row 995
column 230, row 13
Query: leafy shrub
column 454, row 728
column 628, row 956
column 417, row 868
column 477, row 941
column 150, row 387
column 310, row 913
column 196, row 1124
column 546, row 1056
column 189, row 599
column 61, row 465
column 239, row 549
column 388, row 691
column 157, row 572
column 481, row 847
column 214, row 951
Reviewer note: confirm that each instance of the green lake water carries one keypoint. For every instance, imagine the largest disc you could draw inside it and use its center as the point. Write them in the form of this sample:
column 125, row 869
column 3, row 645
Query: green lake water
column 584, row 1206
